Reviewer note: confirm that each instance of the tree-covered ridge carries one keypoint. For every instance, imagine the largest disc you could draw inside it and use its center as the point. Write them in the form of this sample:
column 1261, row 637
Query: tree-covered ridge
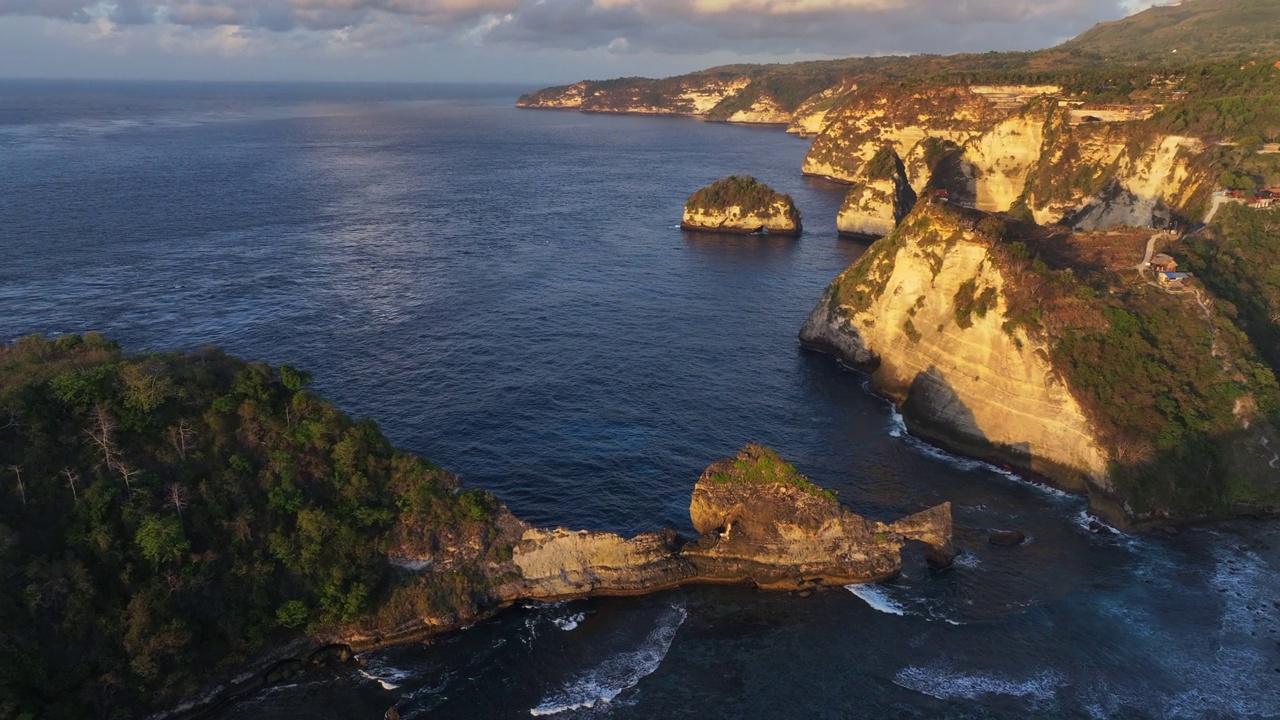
column 751, row 196
column 166, row 516
column 1239, row 258
column 1188, row 30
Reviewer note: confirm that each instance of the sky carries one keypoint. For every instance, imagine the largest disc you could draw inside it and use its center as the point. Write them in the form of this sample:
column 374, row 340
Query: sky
column 517, row 41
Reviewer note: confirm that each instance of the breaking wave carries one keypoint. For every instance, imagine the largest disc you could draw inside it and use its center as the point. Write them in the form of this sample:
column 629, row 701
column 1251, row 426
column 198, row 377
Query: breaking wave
column 618, row 673
column 878, row 598
column 947, row 684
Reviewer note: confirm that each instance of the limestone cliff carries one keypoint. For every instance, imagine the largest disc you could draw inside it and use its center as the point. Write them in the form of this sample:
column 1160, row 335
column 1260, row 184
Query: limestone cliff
column 760, row 519
column 695, row 94
column 879, row 200
column 810, row 118
column 1005, row 148
column 741, row 204
column 1014, row 343
column 983, row 390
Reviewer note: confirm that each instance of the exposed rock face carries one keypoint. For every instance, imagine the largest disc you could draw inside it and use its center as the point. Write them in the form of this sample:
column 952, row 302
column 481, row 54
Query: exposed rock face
column 741, row 205
column 572, row 563
column 1015, row 147
column 761, row 523
column 694, row 94
column 979, row 389
column 875, row 205
column 811, row 117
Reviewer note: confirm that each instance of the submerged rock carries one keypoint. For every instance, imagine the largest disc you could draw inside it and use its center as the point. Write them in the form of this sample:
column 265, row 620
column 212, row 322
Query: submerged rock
column 743, row 205
column 1007, row 538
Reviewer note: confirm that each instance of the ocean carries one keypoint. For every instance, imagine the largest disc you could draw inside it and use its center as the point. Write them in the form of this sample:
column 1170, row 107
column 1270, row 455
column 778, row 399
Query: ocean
column 507, row 293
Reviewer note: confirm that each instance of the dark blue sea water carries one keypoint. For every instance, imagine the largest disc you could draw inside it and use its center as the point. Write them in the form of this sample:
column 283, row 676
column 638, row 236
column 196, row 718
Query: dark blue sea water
column 507, row 293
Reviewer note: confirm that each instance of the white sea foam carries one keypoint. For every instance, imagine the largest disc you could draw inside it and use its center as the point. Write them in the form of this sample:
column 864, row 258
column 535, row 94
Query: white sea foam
column 947, row 684
column 878, row 598
column 570, row 622
column 898, row 429
column 967, row 559
column 385, row 683
column 618, row 673
column 389, row 677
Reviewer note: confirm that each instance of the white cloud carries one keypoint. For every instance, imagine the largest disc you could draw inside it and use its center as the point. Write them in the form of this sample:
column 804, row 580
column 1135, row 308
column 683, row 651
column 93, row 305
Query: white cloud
column 833, row 27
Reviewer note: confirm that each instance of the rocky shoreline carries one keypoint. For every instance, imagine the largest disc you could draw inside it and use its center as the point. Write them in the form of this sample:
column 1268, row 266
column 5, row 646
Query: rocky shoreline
column 759, row 521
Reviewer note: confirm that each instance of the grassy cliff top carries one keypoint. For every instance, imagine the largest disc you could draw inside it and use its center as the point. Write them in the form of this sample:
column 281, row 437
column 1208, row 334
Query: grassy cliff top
column 758, row 465
column 743, row 191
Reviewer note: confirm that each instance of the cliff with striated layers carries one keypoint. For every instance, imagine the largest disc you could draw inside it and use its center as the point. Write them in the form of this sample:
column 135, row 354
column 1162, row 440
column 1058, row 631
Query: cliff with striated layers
column 1033, row 158
column 979, row 388
column 1034, row 348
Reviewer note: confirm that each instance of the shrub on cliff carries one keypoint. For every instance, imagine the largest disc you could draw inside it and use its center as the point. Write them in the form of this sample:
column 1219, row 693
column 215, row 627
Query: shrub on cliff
column 743, row 191
column 167, row 515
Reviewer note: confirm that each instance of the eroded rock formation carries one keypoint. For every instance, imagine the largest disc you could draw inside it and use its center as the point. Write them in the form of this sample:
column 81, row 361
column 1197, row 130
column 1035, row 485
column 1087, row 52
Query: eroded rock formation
column 761, row 522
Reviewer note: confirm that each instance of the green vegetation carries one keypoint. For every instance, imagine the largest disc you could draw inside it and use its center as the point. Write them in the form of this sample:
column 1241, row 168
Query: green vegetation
column 884, row 164
column 757, row 464
column 1240, row 261
column 166, row 516
column 1167, row 379
column 1197, row 30
column 1162, row 376
column 745, row 192
column 969, row 302
column 1227, row 101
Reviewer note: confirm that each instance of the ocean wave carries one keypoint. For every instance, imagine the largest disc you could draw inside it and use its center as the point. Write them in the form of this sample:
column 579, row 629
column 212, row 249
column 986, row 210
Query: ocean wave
column 389, row 677
column 385, row 683
column 967, row 559
column 570, row 622
column 618, row 673
column 948, row 684
column 878, row 598
column 898, row 429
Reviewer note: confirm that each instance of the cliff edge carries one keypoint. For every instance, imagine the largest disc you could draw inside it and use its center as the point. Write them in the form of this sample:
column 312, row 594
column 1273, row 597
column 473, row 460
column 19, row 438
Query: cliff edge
column 1021, row 345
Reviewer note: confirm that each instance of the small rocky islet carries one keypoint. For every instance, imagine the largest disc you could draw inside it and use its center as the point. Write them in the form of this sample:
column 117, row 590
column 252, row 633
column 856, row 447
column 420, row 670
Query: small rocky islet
column 742, row 205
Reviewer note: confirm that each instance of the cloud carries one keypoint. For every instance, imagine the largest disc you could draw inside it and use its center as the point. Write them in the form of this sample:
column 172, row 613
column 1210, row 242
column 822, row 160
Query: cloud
column 779, row 27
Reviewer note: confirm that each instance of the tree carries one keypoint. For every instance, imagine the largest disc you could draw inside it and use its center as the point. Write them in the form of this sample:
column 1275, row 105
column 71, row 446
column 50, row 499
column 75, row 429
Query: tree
column 161, row 539
column 22, row 490
column 102, row 432
column 293, row 378
column 176, row 498
column 72, row 478
column 180, row 437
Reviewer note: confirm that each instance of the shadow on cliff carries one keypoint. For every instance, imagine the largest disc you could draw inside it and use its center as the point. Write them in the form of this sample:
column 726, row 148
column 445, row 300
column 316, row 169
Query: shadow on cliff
column 934, row 411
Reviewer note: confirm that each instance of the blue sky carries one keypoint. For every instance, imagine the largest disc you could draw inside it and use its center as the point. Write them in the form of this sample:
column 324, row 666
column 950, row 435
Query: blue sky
column 523, row 41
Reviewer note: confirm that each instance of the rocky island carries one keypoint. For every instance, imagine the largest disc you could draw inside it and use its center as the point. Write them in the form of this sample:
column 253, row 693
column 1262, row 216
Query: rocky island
column 188, row 527
column 741, row 205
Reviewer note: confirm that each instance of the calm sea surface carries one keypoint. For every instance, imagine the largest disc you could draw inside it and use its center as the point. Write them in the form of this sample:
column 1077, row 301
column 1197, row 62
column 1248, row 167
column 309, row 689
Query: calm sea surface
column 507, row 293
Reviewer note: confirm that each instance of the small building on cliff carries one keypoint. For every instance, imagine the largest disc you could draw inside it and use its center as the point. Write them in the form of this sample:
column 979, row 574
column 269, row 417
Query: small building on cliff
column 1163, row 263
